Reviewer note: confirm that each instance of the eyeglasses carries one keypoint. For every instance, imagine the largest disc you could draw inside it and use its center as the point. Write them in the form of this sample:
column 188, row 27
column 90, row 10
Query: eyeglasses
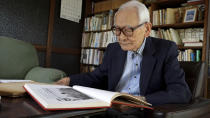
column 127, row 30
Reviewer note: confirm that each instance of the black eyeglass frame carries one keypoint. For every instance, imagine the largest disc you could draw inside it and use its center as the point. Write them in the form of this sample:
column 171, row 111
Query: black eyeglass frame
column 123, row 29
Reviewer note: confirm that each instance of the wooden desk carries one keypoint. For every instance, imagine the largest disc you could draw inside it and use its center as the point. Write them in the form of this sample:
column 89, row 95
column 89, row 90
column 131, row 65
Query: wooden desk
column 27, row 107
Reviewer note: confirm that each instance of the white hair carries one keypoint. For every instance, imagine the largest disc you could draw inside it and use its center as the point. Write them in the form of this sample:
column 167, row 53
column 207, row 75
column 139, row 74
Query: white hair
column 143, row 12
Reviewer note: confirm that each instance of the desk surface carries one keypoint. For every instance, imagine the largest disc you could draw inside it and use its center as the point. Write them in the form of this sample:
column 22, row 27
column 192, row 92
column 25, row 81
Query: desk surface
column 27, row 107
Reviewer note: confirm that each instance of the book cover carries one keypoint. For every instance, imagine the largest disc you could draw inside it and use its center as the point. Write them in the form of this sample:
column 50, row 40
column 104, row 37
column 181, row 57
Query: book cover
column 170, row 15
column 175, row 36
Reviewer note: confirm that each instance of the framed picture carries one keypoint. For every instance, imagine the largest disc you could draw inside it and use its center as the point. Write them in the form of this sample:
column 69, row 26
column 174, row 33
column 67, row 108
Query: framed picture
column 190, row 15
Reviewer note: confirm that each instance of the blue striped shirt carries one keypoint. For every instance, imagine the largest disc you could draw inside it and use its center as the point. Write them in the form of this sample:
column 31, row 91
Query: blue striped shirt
column 129, row 82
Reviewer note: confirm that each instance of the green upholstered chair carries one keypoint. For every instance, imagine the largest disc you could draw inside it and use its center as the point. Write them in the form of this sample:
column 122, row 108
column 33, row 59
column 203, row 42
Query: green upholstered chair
column 19, row 60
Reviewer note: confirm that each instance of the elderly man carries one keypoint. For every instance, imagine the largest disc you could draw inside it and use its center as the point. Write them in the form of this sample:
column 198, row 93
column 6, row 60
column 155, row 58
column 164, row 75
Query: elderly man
column 138, row 64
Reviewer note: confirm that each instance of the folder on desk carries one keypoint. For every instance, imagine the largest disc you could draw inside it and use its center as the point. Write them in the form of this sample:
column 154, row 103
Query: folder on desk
column 13, row 88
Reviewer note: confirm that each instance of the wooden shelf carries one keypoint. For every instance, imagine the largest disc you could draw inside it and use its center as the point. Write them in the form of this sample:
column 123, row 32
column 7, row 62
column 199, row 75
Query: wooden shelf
column 195, row 3
column 89, row 65
column 187, row 61
column 99, row 0
column 99, row 48
column 166, row 3
column 191, row 47
column 98, row 31
column 93, row 14
column 180, row 25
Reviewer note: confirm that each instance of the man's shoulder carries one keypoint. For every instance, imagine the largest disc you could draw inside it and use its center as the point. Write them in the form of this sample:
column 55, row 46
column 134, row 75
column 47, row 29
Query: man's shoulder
column 162, row 46
column 160, row 42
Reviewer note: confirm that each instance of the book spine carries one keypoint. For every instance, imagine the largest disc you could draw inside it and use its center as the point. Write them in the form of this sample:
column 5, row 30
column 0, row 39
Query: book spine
column 192, row 55
column 198, row 54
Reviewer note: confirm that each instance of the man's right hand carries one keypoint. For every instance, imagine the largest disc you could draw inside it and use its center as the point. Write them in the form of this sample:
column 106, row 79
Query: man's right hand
column 64, row 81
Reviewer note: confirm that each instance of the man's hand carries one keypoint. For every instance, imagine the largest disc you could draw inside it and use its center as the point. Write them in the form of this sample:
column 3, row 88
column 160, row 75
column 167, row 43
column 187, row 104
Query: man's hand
column 64, row 81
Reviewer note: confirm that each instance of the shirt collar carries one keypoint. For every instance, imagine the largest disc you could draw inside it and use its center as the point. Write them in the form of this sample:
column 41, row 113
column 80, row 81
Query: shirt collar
column 140, row 49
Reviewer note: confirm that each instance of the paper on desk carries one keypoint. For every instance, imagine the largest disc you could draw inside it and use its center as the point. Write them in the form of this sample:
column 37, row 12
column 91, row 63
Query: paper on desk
column 11, row 81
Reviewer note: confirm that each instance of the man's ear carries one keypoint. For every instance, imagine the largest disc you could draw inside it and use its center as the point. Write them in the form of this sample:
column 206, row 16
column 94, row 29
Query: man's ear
column 148, row 27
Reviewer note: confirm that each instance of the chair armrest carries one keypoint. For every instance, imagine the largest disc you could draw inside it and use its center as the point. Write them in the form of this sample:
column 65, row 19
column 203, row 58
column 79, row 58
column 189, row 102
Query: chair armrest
column 195, row 109
column 46, row 75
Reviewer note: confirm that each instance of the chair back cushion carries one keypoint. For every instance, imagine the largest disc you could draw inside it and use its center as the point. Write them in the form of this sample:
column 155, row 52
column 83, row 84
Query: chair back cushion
column 45, row 75
column 194, row 75
column 16, row 58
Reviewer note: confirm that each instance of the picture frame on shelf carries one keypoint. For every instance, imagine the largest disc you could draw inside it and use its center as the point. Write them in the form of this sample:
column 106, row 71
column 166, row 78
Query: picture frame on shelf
column 190, row 15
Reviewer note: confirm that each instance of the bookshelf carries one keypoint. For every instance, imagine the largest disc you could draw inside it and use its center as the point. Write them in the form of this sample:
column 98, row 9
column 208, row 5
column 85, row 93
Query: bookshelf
column 198, row 23
column 162, row 6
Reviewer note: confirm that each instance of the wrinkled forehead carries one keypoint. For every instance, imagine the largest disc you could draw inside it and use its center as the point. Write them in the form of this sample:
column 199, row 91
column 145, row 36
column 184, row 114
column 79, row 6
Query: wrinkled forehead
column 127, row 17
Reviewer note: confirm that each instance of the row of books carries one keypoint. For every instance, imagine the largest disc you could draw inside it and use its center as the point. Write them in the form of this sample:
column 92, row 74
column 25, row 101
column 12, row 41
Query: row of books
column 164, row 16
column 97, row 22
column 91, row 56
column 188, row 37
column 101, row 39
column 175, row 15
column 189, row 55
column 94, row 57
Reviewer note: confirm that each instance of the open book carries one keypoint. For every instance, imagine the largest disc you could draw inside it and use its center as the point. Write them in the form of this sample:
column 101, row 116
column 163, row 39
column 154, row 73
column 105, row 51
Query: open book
column 58, row 97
